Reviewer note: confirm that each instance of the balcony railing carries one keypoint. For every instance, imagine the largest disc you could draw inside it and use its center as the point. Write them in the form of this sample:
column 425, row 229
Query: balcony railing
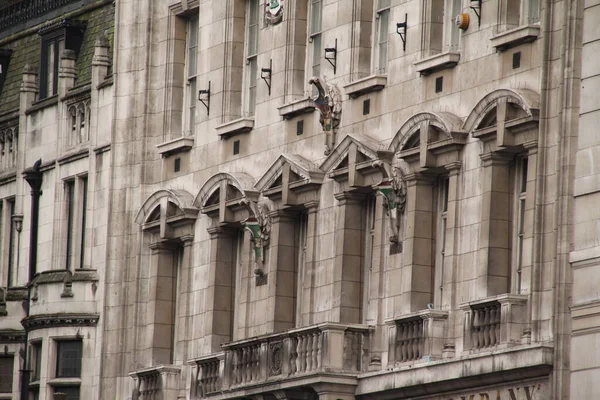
column 493, row 322
column 159, row 382
column 329, row 347
column 417, row 336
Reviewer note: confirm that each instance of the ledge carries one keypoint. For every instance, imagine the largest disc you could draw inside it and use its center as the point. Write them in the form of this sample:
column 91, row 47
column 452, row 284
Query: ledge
column 8, row 175
column 437, row 62
column 74, row 155
column 423, row 314
column 41, row 104
column 235, row 127
column 102, row 148
column 296, row 107
column 502, row 298
column 11, row 336
column 16, row 293
column 514, row 37
column 77, row 93
column 159, row 369
column 45, row 321
column 366, row 85
column 427, row 378
column 175, row 146
column 108, row 81
column 58, row 276
column 58, row 382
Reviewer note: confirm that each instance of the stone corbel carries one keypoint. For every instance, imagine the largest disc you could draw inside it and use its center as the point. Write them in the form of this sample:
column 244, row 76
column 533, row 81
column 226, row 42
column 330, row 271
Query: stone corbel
column 392, row 189
column 329, row 104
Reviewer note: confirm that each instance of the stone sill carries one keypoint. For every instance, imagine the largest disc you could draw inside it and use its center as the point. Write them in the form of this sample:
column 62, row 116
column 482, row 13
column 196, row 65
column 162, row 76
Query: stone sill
column 366, row 85
column 502, row 298
column 296, row 107
column 581, row 257
column 175, row 146
column 514, row 37
column 57, row 382
column 437, row 62
column 156, row 370
column 235, row 127
column 75, row 154
column 423, row 314
column 515, row 363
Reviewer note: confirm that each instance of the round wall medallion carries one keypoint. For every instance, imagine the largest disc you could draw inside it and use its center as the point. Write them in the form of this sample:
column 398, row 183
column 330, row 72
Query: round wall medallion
column 462, row 21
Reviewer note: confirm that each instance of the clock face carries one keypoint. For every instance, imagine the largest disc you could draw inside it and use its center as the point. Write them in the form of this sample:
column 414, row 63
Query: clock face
column 462, row 21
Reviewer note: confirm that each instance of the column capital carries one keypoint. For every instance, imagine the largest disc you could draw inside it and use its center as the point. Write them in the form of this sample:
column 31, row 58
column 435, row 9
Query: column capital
column 419, row 178
column 187, row 240
column 162, row 246
column 312, row 206
column 282, row 215
column 531, row 146
column 454, row 167
column 350, row 197
column 219, row 231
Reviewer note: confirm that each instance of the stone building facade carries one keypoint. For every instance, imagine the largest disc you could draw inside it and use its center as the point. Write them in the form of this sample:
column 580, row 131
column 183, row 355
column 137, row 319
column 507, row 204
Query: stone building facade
column 55, row 133
column 320, row 199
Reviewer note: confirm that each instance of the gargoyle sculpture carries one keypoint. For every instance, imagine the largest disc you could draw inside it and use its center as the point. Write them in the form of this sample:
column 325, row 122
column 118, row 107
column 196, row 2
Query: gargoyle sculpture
column 329, row 104
column 259, row 226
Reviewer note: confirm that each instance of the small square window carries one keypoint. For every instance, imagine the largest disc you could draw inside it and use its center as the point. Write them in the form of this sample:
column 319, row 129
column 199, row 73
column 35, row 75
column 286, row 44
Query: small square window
column 68, row 359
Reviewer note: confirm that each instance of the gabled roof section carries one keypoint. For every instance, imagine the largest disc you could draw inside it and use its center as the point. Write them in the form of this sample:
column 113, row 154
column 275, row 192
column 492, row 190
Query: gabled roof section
column 301, row 169
column 181, row 198
column 444, row 121
column 367, row 149
column 238, row 181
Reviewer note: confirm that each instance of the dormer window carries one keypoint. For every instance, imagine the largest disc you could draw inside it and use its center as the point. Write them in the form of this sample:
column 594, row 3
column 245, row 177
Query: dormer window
column 56, row 38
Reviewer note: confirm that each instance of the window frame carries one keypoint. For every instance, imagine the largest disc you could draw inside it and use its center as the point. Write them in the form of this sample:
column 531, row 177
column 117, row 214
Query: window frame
column 251, row 72
column 75, row 217
column 190, row 93
column 441, row 193
column 54, row 38
column 62, row 342
column 314, row 43
column 369, row 222
column 519, row 209
column 11, row 365
column 379, row 13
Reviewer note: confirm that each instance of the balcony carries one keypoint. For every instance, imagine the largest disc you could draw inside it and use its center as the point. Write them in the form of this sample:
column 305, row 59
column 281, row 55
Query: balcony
column 159, row 382
column 496, row 322
column 417, row 337
column 296, row 358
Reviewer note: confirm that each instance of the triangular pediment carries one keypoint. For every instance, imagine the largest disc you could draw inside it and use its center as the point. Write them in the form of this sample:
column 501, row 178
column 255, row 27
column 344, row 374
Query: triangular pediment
column 300, row 169
column 367, row 149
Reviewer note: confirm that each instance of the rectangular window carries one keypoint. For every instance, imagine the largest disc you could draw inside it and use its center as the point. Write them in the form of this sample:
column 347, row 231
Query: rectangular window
column 236, row 271
column 440, row 242
column 51, row 51
column 252, row 55
column 35, row 362
column 451, row 32
column 68, row 358
column 383, row 17
column 369, row 210
column 76, row 205
column 521, row 195
column 440, row 33
column 72, row 392
column 11, row 241
column 302, row 241
column 6, row 374
column 315, row 37
column 515, row 13
column 191, row 69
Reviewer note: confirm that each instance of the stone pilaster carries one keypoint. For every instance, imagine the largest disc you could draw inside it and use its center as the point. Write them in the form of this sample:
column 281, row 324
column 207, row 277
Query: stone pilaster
column 67, row 73
column 307, row 272
column 100, row 62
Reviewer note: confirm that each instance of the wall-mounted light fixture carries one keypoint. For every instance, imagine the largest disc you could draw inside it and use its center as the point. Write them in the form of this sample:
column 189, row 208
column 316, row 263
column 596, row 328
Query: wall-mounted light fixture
column 265, row 74
column 204, row 98
column 331, row 56
column 476, row 7
column 401, row 28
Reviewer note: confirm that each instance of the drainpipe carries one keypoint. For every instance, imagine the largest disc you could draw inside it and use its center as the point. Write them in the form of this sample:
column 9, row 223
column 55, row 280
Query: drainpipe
column 33, row 176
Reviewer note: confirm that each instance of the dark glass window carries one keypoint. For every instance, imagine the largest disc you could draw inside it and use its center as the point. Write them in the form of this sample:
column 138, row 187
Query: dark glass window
column 6, row 374
column 68, row 359
column 36, row 361
column 72, row 392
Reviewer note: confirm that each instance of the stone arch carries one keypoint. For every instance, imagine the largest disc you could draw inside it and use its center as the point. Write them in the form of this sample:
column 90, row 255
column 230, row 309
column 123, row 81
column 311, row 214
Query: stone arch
column 443, row 121
column 526, row 100
column 240, row 181
column 181, row 198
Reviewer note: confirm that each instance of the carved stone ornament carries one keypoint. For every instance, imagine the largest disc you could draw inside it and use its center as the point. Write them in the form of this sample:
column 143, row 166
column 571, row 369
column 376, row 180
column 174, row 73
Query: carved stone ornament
column 273, row 11
column 275, row 354
column 259, row 226
column 393, row 190
column 329, row 104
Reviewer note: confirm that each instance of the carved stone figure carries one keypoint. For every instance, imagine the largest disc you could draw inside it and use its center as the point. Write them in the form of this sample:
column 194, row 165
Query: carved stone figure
column 329, row 104
column 393, row 190
column 259, row 226
column 273, row 11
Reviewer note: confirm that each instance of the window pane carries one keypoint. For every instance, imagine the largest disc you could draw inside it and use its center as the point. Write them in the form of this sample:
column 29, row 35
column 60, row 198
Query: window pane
column 383, row 40
column 192, row 47
column 6, row 374
column 534, row 11
column 316, row 57
column 36, row 361
column 252, row 76
column 192, row 105
column 316, row 16
column 70, row 194
column 84, row 188
column 72, row 392
column 50, row 69
column 383, row 4
column 68, row 359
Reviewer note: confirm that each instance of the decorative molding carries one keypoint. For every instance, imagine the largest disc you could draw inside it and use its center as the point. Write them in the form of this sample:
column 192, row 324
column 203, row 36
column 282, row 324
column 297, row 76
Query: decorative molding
column 437, row 62
column 366, row 85
column 8, row 336
column 45, row 321
column 77, row 154
column 102, row 148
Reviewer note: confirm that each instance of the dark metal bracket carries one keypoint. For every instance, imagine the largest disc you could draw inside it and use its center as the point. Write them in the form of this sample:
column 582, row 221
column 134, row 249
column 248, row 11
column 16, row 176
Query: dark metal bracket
column 265, row 74
column 331, row 56
column 204, row 98
column 477, row 10
column 401, row 28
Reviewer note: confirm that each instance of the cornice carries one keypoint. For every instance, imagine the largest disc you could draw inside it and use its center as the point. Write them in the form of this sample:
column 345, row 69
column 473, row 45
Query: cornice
column 45, row 321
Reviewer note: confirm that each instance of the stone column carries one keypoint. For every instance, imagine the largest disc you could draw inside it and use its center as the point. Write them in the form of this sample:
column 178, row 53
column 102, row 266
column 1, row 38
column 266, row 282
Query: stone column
column 418, row 268
column 67, row 73
column 160, row 308
column 347, row 274
column 493, row 266
column 183, row 319
column 283, row 273
column 219, row 312
column 306, row 298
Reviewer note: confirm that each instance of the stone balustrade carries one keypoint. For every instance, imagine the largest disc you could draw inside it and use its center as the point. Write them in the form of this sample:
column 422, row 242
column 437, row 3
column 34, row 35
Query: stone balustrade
column 328, row 347
column 417, row 336
column 158, row 382
column 499, row 321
